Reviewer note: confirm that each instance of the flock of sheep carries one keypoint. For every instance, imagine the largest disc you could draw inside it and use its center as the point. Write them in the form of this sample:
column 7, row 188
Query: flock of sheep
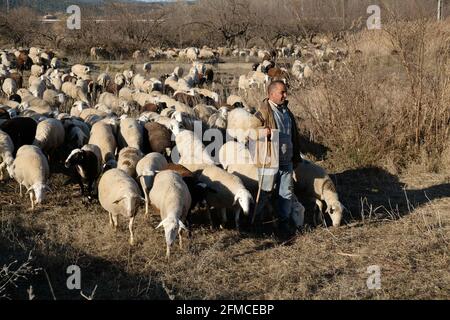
column 131, row 137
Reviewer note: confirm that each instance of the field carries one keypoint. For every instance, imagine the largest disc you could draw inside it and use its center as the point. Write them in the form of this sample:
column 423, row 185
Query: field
column 398, row 223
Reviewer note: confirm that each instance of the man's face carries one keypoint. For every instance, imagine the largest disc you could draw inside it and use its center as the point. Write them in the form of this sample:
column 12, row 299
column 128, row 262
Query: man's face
column 278, row 94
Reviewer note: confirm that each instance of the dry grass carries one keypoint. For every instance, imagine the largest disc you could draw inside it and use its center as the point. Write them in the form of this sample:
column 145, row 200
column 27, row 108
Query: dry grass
column 410, row 246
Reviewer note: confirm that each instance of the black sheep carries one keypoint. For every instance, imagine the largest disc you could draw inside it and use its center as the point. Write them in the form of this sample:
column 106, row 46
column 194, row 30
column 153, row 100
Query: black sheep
column 21, row 130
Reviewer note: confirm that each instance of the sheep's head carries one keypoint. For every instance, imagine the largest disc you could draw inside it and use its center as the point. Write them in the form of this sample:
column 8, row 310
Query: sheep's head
column 335, row 210
column 74, row 157
column 171, row 226
column 39, row 190
column 245, row 199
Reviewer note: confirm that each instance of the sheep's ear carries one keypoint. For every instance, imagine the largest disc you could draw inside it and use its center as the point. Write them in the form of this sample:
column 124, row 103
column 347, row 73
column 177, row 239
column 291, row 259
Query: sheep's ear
column 236, row 198
column 182, row 226
column 161, row 224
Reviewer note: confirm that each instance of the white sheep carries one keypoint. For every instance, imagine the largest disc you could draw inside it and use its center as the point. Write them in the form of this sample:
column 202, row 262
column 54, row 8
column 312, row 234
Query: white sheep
column 236, row 159
column 170, row 195
column 131, row 134
column 79, row 70
column 54, row 99
column 49, row 135
column 30, row 169
column 229, row 191
column 6, row 152
column 241, row 124
column 146, row 170
column 9, row 87
column 128, row 159
column 313, row 182
column 77, row 108
column 102, row 135
column 119, row 194
column 75, row 92
column 191, row 149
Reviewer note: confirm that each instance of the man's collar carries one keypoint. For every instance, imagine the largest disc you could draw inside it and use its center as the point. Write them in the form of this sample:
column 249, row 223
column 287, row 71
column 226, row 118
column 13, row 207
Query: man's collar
column 273, row 104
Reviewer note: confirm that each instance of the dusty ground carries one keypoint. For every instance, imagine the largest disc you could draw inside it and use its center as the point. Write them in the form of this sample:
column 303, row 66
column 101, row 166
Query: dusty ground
column 408, row 240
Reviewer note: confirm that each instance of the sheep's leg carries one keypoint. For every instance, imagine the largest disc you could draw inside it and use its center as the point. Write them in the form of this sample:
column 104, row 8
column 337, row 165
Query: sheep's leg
column 144, row 189
column 167, row 251
column 208, row 213
column 319, row 218
column 130, row 227
column 236, row 217
column 32, row 200
column 89, row 188
column 110, row 219
column 181, row 239
column 20, row 190
column 223, row 212
column 114, row 218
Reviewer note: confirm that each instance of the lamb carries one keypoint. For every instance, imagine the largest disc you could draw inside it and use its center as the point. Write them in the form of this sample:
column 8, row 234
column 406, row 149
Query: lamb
column 170, row 195
column 311, row 181
column 102, row 135
column 128, row 160
column 146, row 170
column 229, row 190
column 131, row 134
column 49, row 135
column 21, row 131
column 87, row 162
column 118, row 194
column 30, row 169
column 241, row 124
column 159, row 138
column 6, row 152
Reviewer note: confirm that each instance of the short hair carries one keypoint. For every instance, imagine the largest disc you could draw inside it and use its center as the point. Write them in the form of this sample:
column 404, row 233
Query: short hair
column 273, row 84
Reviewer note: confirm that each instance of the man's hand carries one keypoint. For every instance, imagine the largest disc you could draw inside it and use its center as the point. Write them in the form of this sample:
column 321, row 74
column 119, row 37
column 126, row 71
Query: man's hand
column 267, row 132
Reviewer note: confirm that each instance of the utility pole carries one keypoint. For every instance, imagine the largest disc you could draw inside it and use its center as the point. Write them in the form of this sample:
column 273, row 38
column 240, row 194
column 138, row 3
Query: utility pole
column 440, row 9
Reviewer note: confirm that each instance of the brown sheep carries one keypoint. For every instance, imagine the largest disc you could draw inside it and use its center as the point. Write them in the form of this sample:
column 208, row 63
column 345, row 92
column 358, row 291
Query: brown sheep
column 159, row 138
